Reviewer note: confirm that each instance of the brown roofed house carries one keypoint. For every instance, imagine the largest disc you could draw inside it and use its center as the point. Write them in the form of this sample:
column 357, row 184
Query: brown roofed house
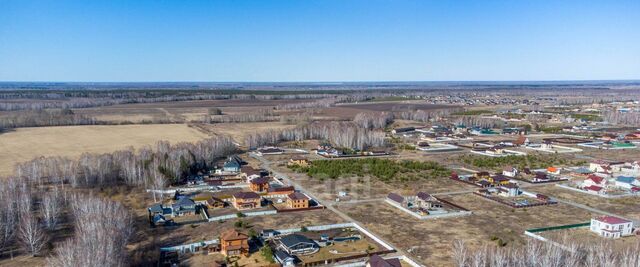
column 377, row 261
column 246, row 200
column 234, row 243
column 297, row 200
column 260, row 184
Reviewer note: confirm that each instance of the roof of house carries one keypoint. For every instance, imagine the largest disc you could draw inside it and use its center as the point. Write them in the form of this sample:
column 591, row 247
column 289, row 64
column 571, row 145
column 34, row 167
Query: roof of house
column 423, row 196
column 184, row 202
column 510, row 185
column 611, row 219
column 499, row 177
column 247, row 170
column 232, row 234
column 552, row 169
column 404, row 129
column 260, row 180
column 282, row 255
column 625, row 179
column 270, row 150
column 281, row 189
column 395, row 197
column 156, row 208
column 294, row 239
column 297, row 196
column 508, row 169
column 377, row 261
column 246, row 195
column 593, row 188
column 595, row 178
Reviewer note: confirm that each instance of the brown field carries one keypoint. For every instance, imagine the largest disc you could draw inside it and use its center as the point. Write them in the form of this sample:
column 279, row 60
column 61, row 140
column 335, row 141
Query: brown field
column 71, row 141
column 178, row 111
column 430, row 240
column 626, row 206
column 348, row 111
column 239, row 131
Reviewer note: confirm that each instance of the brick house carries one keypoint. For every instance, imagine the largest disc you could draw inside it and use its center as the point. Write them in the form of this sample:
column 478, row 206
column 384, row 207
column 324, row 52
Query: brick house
column 234, row 243
column 297, row 200
column 246, row 200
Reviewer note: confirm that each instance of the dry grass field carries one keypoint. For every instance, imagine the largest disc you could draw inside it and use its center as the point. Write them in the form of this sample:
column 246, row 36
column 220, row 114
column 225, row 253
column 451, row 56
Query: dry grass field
column 239, row 131
column 626, row 206
column 430, row 240
column 71, row 141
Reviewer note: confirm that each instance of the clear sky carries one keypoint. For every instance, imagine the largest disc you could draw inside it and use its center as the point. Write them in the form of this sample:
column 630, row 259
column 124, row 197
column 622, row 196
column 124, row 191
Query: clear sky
column 324, row 40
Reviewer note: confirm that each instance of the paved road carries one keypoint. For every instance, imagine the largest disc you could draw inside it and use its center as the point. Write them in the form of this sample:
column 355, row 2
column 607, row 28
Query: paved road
column 266, row 164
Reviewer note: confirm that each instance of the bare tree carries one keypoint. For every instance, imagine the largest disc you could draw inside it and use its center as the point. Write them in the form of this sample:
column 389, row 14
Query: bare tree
column 99, row 240
column 50, row 208
column 31, row 235
column 460, row 254
column 8, row 211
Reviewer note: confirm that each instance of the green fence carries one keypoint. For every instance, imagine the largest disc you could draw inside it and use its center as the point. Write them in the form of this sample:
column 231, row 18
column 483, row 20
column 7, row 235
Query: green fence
column 559, row 227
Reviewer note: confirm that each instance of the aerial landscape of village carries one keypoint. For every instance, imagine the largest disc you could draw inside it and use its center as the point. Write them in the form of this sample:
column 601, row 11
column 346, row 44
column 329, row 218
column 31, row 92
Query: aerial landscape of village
column 139, row 163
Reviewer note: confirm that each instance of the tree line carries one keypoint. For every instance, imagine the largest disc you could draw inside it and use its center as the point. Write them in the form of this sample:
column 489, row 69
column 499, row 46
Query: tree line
column 340, row 134
column 538, row 254
column 147, row 167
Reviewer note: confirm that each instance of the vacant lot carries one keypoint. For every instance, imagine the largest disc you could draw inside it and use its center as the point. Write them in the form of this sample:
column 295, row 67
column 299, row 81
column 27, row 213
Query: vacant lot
column 430, row 240
column 27, row 143
column 626, row 206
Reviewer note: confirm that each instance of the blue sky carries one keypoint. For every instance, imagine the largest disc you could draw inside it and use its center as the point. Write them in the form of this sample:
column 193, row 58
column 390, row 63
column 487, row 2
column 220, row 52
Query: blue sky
column 324, row 40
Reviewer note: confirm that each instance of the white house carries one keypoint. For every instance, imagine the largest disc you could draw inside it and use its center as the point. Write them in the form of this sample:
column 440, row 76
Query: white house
column 510, row 171
column 611, row 227
column 509, row 190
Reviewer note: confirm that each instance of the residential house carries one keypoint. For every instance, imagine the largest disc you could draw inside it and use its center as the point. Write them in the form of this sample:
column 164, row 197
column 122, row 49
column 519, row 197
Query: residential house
column 377, row 261
column 509, row 190
column 260, row 184
column 284, row 258
column 540, row 177
column 627, row 182
column 498, row 179
column 248, row 173
column 596, row 180
column 246, row 200
column 233, row 243
column 553, row 170
column 269, row 151
column 611, row 227
column 297, row 244
column 184, row 206
column 510, row 171
column 280, row 191
column 215, row 203
column 513, row 130
column 594, row 189
column 297, row 200
column 426, row 201
column 397, row 198
column 233, row 164
column 403, row 130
